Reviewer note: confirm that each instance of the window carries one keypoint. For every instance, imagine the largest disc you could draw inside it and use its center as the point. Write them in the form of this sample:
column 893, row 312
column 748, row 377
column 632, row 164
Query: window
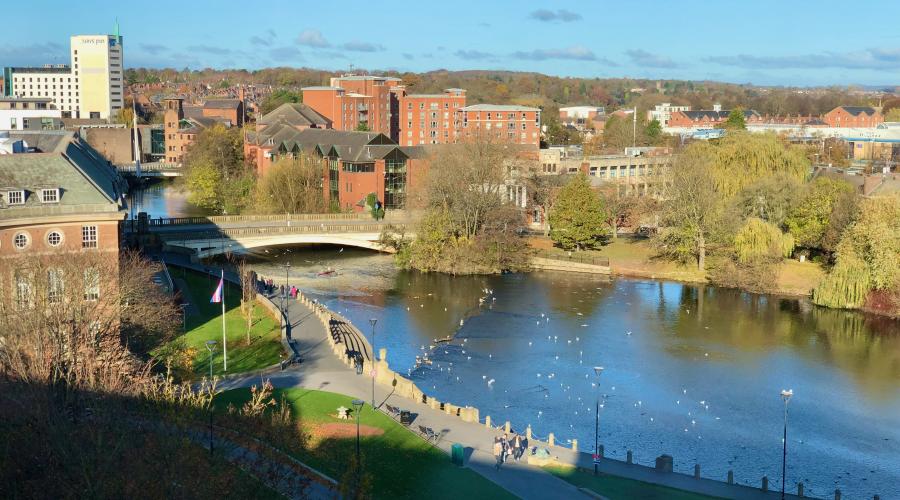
column 88, row 236
column 91, row 284
column 54, row 285
column 54, row 238
column 50, row 195
column 12, row 123
column 21, row 240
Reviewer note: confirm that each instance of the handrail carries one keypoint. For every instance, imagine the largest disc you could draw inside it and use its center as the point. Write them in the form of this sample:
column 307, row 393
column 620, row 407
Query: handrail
column 277, row 230
column 225, row 219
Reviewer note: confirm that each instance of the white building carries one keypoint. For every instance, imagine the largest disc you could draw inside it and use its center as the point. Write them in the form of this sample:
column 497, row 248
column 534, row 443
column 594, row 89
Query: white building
column 92, row 87
column 580, row 113
column 663, row 112
column 29, row 113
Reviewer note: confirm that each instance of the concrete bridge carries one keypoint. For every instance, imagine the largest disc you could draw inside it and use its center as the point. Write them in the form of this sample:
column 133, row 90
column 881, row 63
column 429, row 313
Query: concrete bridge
column 154, row 169
column 215, row 235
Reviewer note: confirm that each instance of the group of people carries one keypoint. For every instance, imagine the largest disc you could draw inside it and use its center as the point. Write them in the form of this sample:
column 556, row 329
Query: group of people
column 267, row 287
column 504, row 447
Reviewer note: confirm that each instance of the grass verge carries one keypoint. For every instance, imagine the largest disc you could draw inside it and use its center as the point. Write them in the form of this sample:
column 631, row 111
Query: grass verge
column 263, row 350
column 401, row 464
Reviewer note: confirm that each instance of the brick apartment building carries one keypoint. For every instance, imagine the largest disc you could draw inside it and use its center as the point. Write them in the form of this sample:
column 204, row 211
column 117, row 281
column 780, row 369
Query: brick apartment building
column 352, row 102
column 431, row 118
column 853, row 117
column 275, row 130
column 225, row 110
column 511, row 123
column 182, row 124
column 708, row 118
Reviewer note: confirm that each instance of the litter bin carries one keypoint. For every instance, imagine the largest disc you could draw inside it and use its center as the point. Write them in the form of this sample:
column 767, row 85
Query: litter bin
column 456, row 454
column 405, row 417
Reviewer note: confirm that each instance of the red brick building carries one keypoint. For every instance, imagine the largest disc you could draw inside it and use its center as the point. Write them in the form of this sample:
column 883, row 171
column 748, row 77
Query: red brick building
column 708, row 118
column 853, row 117
column 510, row 123
column 352, row 102
column 431, row 118
column 262, row 145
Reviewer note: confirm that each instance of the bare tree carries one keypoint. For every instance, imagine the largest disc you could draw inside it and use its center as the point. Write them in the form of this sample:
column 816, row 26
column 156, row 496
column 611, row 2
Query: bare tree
column 248, row 294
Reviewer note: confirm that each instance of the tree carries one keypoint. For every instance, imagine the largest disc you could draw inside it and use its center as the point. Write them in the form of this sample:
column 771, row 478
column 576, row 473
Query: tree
column 892, row 115
column 770, row 198
column 867, row 257
column 736, row 120
column 292, row 186
column 362, row 127
column 761, row 240
column 277, row 98
column 691, row 211
column 578, row 219
column 653, row 132
column 125, row 116
column 215, row 172
column 811, row 214
column 248, row 294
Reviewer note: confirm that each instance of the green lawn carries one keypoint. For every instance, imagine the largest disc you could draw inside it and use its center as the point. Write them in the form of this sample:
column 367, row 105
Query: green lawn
column 265, row 348
column 614, row 487
column 402, row 464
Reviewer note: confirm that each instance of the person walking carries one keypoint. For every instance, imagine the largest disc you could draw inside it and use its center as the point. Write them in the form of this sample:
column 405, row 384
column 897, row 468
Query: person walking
column 498, row 452
column 504, row 441
column 516, row 447
column 524, row 448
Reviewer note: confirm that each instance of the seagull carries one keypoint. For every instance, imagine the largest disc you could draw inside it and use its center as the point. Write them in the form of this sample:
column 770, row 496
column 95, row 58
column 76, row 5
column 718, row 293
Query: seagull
column 491, row 382
column 627, row 333
column 341, row 250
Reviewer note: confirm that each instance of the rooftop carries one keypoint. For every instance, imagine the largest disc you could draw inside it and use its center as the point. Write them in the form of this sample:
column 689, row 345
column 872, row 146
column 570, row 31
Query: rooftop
column 498, row 107
column 25, row 69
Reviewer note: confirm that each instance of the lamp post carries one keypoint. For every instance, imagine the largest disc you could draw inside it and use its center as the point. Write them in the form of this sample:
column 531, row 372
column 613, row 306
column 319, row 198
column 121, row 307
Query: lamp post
column 372, row 322
column 597, row 371
column 210, row 346
column 786, row 396
column 358, row 406
column 287, row 290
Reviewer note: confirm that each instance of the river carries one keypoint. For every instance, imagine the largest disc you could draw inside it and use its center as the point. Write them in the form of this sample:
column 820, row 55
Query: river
column 691, row 371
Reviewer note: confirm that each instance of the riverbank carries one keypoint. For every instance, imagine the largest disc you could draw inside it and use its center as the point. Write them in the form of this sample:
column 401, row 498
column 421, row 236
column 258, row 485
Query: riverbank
column 636, row 258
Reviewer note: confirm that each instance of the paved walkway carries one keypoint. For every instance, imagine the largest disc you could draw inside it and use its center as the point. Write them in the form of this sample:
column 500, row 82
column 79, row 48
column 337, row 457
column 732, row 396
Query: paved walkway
column 321, row 370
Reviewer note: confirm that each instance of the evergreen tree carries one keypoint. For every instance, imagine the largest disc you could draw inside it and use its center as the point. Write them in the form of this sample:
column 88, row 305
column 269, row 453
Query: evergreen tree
column 578, row 217
column 735, row 120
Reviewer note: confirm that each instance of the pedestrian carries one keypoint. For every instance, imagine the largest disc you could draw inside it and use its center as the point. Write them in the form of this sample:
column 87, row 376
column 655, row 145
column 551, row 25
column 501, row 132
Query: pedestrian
column 524, row 446
column 498, row 452
column 504, row 441
column 516, row 447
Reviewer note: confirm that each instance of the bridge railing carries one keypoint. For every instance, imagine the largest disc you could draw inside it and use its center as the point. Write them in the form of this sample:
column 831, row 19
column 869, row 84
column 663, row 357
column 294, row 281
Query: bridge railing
column 151, row 167
column 231, row 219
column 249, row 232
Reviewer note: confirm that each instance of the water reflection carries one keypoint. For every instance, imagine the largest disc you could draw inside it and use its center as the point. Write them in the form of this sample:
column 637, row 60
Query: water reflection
column 694, row 371
column 161, row 199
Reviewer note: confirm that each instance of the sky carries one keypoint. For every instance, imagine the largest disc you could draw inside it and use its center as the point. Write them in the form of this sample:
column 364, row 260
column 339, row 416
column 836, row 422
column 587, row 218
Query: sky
column 764, row 42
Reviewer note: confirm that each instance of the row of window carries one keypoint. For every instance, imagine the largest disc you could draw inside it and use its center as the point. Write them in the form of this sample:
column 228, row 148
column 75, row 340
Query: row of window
column 54, row 238
column 46, row 123
column 24, row 287
column 17, row 196
column 21, row 79
column 432, row 105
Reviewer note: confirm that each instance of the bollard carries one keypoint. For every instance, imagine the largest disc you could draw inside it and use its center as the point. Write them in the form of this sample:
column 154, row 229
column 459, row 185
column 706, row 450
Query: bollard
column 487, row 421
column 837, row 494
column 696, row 471
column 765, row 483
column 731, row 477
column 629, row 457
column 800, row 489
column 528, row 432
column 551, row 440
column 506, row 427
column 574, row 445
column 382, row 354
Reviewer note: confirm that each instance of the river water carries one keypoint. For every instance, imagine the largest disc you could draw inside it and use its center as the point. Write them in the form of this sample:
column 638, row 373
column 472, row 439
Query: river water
column 691, row 371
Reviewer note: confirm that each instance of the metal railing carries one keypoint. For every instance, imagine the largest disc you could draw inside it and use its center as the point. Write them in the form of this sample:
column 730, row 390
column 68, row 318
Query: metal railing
column 232, row 233
column 230, row 219
column 579, row 257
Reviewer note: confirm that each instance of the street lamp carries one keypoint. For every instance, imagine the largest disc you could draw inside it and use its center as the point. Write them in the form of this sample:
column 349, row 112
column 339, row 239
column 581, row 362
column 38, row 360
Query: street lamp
column 786, row 396
column 597, row 371
column 210, row 346
column 184, row 307
column 358, row 406
column 372, row 322
column 287, row 287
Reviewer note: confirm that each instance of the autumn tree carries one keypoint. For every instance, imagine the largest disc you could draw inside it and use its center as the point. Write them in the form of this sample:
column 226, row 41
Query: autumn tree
column 867, row 257
column 291, row 186
column 759, row 239
column 215, row 173
column 578, row 219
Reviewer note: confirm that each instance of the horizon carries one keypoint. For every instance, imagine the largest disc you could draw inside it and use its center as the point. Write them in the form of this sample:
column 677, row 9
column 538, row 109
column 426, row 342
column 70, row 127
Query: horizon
column 568, row 39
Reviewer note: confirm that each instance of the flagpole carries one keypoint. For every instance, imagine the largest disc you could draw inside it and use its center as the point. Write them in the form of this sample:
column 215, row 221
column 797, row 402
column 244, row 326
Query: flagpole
column 224, row 339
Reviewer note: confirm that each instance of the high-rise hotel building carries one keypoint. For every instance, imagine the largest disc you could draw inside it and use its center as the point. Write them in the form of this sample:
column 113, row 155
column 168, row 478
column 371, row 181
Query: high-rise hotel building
column 92, row 87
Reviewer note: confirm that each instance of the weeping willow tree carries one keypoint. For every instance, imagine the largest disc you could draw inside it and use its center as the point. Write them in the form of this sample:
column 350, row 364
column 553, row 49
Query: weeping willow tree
column 867, row 257
column 741, row 159
column 759, row 239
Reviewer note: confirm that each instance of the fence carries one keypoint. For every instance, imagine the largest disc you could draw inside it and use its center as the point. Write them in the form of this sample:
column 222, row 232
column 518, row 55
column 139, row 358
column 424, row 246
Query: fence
column 596, row 260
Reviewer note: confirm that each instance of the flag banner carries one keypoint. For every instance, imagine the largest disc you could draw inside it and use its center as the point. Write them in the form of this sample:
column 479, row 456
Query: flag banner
column 217, row 295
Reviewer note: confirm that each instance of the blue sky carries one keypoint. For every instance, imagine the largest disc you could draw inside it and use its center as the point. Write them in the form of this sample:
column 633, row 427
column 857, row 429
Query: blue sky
column 785, row 42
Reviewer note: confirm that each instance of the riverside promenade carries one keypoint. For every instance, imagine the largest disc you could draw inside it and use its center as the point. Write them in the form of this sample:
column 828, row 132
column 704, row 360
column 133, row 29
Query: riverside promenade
column 322, row 369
